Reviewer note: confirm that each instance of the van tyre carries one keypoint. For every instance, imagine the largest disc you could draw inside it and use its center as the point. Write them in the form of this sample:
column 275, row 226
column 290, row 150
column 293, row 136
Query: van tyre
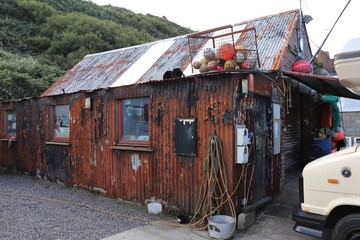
column 348, row 228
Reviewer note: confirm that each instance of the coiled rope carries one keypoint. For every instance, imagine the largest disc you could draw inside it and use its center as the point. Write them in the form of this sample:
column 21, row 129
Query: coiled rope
column 213, row 192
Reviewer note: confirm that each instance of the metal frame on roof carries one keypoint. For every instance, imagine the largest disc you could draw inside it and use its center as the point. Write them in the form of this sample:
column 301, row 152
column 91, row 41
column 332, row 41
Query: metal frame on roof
column 212, row 34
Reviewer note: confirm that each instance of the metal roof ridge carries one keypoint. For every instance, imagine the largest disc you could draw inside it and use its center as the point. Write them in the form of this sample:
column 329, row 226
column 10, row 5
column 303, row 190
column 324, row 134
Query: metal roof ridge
column 139, row 45
column 264, row 17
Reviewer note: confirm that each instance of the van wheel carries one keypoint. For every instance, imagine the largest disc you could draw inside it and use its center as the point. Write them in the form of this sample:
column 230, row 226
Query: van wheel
column 348, row 228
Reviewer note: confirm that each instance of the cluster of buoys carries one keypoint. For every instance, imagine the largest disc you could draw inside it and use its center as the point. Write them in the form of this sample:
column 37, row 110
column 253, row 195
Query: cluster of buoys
column 225, row 57
column 336, row 136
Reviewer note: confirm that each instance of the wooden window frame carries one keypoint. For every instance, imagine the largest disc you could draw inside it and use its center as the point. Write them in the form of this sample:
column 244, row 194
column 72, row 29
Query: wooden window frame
column 6, row 124
column 52, row 125
column 120, row 122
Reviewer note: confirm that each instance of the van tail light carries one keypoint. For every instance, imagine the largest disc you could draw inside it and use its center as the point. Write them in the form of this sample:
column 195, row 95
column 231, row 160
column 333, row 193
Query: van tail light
column 301, row 189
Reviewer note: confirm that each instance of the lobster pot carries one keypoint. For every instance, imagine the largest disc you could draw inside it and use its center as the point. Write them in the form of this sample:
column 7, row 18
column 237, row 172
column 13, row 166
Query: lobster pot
column 221, row 226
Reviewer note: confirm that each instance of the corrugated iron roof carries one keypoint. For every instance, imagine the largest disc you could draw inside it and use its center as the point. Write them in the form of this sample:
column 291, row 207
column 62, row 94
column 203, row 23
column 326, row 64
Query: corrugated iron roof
column 149, row 62
column 322, row 84
column 273, row 34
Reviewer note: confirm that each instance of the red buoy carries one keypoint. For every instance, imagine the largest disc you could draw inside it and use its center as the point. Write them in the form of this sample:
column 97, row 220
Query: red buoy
column 338, row 135
column 302, row 66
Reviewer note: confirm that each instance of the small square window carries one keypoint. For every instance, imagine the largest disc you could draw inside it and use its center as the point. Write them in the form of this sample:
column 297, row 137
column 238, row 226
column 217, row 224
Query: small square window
column 10, row 123
column 60, row 123
column 134, row 121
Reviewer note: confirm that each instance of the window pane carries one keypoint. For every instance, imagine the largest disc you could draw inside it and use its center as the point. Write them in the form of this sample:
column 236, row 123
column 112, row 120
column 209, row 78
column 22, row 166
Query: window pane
column 11, row 123
column 135, row 125
column 61, row 121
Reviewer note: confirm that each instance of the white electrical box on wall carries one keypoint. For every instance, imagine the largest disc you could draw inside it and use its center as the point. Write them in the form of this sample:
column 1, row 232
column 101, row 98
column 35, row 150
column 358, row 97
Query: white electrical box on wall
column 242, row 137
column 242, row 154
column 241, row 144
column 276, row 128
column 348, row 141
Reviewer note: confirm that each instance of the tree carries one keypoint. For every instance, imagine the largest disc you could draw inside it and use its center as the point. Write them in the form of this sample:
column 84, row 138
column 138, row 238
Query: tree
column 24, row 76
column 79, row 34
column 37, row 11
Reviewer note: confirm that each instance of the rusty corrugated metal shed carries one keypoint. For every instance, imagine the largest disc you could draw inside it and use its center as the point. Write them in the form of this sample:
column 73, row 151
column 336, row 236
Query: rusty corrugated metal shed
column 148, row 62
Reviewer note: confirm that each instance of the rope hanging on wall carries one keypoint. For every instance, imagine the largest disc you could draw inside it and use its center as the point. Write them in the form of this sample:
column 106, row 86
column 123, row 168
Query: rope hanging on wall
column 213, row 193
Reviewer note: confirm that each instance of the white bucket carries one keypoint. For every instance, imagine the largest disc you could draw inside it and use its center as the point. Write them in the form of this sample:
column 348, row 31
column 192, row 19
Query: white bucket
column 221, row 226
column 154, row 208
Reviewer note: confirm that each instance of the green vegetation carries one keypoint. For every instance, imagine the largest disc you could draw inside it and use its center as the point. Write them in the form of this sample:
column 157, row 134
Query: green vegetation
column 41, row 39
column 25, row 76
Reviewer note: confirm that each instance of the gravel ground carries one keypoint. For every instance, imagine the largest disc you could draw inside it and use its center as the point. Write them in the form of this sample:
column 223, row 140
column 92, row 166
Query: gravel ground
column 39, row 209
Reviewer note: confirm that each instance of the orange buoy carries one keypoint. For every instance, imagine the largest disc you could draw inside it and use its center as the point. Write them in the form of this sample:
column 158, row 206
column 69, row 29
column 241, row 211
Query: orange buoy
column 225, row 51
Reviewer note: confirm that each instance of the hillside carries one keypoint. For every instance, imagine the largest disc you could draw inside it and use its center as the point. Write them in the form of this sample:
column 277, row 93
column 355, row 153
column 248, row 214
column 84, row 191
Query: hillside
column 41, row 39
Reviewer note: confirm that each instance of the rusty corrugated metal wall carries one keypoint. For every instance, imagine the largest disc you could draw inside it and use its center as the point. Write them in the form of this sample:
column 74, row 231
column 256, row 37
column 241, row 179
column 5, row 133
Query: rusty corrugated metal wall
column 92, row 159
column 163, row 174
column 293, row 130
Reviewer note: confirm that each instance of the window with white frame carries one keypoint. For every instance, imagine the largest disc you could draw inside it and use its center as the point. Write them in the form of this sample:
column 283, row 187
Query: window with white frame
column 134, row 121
column 60, row 122
column 10, row 123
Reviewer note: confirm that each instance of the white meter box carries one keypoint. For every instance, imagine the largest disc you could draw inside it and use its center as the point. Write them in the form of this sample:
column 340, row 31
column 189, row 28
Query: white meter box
column 242, row 138
column 241, row 144
column 242, row 155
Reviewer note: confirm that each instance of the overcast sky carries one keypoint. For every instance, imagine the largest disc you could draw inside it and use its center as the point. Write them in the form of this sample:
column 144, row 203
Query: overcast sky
column 203, row 15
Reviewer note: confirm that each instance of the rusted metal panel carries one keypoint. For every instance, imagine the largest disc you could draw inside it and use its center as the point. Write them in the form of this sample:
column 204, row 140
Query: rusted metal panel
column 8, row 156
column 136, row 175
column 94, row 160
column 108, row 69
column 205, row 101
column 97, row 70
column 293, row 131
column 273, row 34
column 263, row 86
column 177, row 56
column 30, row 135
column 132, row 175
column 58, row 164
